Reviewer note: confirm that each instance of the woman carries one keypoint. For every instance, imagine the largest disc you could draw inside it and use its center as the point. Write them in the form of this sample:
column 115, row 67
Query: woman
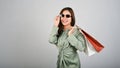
column 67, row 38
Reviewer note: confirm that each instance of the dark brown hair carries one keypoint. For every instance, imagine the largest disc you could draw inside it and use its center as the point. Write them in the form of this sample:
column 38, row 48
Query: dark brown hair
column 60, row 30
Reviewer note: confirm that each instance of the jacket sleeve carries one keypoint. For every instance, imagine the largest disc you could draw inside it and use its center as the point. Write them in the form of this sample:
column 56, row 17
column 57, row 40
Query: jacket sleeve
column 77, row 40
column 53, row 35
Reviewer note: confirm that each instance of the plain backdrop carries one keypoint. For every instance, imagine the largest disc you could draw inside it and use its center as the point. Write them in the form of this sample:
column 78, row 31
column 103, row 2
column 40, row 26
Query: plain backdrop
column 25, row 26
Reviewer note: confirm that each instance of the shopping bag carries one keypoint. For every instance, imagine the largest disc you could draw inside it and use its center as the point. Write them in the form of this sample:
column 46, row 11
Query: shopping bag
column 98, row 46
column 89, row 50
column 92, row 45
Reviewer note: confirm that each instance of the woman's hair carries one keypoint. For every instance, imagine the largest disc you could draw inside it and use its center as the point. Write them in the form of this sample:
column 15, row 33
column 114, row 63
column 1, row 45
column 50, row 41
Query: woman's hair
column 61, row 26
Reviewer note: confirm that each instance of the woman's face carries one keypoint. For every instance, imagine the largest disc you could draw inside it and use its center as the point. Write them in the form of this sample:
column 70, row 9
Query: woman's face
column 66, row 18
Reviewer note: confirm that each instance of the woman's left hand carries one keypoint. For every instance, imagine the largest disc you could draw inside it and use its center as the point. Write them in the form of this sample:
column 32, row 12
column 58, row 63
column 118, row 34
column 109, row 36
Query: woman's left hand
column 71, row 31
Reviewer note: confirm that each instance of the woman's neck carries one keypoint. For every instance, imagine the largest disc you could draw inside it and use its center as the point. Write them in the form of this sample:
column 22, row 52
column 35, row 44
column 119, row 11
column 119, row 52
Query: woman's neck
column 67, row 27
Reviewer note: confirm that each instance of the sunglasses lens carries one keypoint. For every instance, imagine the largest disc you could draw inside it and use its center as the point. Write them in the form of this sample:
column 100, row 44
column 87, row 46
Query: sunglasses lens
column 67, row 16
column 62, row 15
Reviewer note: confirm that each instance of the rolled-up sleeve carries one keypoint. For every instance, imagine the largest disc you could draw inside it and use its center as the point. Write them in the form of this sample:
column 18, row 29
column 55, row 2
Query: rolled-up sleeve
column 53, row 35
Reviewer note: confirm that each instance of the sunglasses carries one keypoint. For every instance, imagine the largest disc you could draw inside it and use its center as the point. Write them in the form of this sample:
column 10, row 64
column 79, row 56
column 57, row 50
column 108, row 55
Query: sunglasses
column 67, row 15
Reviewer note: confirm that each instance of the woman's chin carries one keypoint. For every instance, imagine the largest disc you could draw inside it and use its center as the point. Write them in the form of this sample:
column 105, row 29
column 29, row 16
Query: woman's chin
column 65, row 23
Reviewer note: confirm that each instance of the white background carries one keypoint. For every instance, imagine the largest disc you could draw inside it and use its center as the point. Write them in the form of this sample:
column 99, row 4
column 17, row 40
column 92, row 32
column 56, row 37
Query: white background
column 25, row 26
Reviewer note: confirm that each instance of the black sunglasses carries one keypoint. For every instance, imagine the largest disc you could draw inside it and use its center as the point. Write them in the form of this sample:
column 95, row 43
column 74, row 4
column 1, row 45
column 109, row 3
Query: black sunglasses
column 67, row 15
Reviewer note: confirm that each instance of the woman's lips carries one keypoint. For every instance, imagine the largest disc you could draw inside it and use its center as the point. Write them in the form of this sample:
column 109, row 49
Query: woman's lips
column 65, row 21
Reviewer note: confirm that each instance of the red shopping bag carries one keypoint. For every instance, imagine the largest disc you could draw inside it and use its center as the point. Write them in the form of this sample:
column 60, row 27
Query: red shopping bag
column 92, row 45
column 97, row 45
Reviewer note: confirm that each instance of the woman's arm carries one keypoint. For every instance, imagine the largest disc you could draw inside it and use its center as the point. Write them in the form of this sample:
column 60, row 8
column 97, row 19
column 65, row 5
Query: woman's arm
column 77, row 40
column 53, row 35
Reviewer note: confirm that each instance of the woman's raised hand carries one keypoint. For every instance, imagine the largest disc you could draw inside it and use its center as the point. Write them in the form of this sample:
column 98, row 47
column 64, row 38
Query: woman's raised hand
column 71, row 31
column 57, row 20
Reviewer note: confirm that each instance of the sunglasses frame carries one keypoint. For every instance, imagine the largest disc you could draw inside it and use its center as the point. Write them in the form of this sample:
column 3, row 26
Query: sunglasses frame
column 67, row 15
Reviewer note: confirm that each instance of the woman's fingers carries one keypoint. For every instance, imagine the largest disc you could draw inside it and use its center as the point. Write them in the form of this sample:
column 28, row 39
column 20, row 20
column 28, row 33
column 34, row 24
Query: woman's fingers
column 71, row 31
column 57, row 19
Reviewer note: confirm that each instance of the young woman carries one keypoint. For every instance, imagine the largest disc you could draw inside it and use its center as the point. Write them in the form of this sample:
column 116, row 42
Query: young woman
column 67, row 38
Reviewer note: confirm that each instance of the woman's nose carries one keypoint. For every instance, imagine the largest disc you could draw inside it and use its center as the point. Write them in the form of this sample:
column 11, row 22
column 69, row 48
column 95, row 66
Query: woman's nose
column 64, row 17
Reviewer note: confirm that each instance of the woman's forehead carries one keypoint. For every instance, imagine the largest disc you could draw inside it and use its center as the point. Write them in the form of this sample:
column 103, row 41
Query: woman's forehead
column 66, row 12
